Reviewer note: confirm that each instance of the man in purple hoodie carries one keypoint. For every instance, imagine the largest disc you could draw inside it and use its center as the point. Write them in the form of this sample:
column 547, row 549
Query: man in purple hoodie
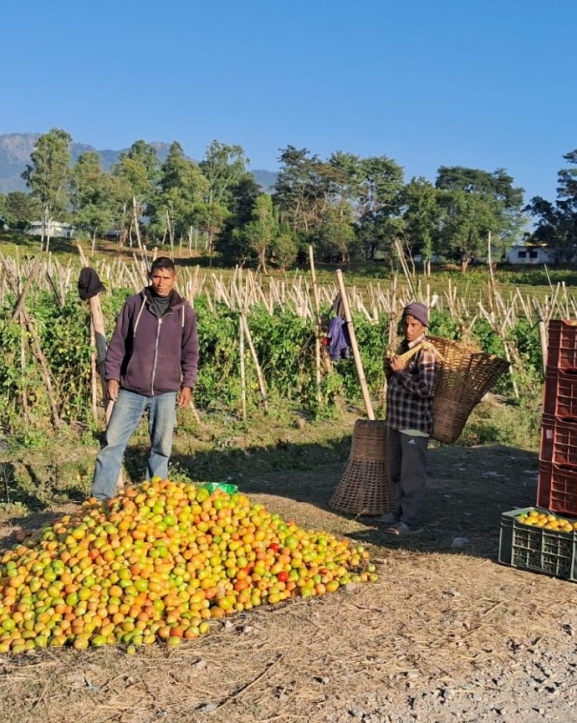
column 151, row 365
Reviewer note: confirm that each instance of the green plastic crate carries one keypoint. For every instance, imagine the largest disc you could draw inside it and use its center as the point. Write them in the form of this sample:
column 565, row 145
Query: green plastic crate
column 536, row 549
column 223, row 486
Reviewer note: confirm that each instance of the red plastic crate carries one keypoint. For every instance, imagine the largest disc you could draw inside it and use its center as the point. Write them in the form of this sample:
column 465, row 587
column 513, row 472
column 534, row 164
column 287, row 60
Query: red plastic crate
column 560, row 395
column 562, row 344
column 558, row 441
column 557, row 488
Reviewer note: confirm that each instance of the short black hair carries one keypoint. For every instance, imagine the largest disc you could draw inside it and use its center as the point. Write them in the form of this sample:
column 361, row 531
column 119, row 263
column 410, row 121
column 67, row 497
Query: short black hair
column 163, row 262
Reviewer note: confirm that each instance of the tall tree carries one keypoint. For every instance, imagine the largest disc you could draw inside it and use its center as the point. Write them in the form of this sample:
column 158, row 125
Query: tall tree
column 467, row 220
column 497, row 191
column 179, row 203
column 261, row 230
column 223, row 166
column 381, row 182
column 231, row 243
column 20, row 209
column 91, row 195
column 137, row 174
column 336, row 233
column 47, row 176
column 557, row 221
column 301, row 190
column 422, row 216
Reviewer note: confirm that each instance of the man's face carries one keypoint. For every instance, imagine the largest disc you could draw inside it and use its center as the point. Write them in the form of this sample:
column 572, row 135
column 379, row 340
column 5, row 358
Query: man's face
column 413, row 328
column 162, row 281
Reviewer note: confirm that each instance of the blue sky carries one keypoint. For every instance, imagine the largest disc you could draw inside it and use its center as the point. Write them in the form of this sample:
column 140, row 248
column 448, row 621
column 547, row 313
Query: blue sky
column 484, row 84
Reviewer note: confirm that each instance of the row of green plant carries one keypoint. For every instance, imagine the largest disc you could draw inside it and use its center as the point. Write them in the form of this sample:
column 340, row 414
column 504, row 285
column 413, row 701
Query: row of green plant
column 284, row 346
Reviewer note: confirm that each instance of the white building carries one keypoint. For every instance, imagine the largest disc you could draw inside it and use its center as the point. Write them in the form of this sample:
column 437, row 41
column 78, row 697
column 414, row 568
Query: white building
column 530, row 253
column 54, row 229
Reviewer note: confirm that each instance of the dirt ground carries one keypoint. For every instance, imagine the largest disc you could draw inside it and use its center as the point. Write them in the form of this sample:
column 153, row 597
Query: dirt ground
column 447, row 633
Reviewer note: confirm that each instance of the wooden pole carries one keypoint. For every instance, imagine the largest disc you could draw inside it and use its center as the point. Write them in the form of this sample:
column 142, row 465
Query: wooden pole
column 317, row 326
column 97, row 323
column 242, row 368
column 354, row 346
column 259, row 374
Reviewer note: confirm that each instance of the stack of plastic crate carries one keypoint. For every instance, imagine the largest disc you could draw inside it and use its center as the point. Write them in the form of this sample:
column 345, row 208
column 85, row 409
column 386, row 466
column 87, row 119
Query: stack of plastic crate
column 544, row 547
column 557, row 486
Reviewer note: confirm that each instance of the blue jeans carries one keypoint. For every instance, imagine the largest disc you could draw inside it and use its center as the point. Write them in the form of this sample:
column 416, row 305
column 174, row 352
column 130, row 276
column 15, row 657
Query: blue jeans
column 126, row 415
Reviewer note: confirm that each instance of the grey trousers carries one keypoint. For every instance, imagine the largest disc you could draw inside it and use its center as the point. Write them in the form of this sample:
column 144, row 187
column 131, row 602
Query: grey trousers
column 408, row 473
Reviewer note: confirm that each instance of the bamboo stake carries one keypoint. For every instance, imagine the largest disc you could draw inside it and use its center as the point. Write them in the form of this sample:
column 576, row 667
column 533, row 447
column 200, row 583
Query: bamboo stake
column 542, row 333
column 26, row 289
column 94, row 375
column 259, row 373
column 355, row 348
column 242, row 369
column 317, row 326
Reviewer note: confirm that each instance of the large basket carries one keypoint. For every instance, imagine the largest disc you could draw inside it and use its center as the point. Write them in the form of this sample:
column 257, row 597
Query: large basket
column 465, row 375
column 365, row 488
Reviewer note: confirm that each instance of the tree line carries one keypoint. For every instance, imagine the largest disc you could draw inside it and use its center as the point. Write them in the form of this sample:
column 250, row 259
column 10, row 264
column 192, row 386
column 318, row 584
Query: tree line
column 346, row 206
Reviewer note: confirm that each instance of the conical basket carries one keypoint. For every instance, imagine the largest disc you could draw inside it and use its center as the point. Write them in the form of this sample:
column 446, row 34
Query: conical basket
column 365, row 488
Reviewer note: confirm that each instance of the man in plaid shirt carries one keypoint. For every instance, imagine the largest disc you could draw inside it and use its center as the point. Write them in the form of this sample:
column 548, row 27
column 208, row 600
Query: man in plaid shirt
column 409, row 420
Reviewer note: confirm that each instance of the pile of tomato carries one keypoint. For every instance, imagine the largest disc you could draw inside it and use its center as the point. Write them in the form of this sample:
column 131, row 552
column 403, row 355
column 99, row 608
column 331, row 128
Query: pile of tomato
column 160, row 562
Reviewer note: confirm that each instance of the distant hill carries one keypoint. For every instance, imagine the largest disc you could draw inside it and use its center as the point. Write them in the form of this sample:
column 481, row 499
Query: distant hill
column 266, row 179
column 15, row 150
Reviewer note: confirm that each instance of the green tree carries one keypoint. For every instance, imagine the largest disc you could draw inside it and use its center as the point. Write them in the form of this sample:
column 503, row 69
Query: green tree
column 47, row 176
column 223, row 166
column 179, row 204
column 91, row 195
column 336, row 233
column 422, row 217
column 504, row 200
column 137, row 174
column 556, row 223
column 21, row 209
column 231, row 243
column 381, row 182
column 467, row 220
column 301, row 190
column 284, row 249
column 261, row 230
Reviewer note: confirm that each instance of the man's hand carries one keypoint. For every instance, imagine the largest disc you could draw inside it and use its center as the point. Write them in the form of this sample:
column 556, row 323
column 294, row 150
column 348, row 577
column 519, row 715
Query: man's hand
column 112, row 387
column 397, row 365
column 184, row 397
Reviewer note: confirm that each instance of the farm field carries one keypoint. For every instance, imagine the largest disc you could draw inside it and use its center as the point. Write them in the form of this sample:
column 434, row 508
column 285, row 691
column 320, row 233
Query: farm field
column 446, row 631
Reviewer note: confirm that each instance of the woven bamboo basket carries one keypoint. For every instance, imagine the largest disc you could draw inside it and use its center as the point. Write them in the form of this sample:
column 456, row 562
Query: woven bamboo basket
column 365, row 488
column 465, row 375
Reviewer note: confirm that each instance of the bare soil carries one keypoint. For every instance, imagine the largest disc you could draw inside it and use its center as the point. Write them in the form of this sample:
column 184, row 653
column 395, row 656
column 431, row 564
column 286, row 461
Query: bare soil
column 447, row 633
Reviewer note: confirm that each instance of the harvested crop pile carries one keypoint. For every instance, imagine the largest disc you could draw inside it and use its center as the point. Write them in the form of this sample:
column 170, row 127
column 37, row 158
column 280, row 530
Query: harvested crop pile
column 159, row 562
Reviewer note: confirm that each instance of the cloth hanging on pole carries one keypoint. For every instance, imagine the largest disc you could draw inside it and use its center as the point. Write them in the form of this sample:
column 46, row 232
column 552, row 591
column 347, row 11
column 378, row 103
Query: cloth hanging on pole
column 339, row 340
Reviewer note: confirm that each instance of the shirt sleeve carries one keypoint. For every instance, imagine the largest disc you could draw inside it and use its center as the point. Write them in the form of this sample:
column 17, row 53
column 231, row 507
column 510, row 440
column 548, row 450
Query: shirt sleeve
column 421, row 384
column 190, row 352
column 117, row 348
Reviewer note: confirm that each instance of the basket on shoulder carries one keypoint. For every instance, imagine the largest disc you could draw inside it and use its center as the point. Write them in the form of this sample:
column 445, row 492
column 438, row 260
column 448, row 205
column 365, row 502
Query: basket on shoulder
column 465, row 375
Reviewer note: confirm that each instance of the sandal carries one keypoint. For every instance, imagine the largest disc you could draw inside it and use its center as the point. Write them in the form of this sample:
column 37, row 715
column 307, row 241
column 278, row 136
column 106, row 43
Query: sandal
column 401, row 529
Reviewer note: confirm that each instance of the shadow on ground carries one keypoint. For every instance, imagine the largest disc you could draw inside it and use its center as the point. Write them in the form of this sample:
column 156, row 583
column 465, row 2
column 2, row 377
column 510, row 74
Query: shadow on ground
column 469, row 486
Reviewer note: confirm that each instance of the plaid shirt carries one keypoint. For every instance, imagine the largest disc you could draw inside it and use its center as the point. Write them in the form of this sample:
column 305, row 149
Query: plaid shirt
column 409, row 392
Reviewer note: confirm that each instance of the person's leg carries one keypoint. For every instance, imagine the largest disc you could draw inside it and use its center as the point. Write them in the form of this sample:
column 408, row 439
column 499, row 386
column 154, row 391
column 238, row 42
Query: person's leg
column 126, row 415
column 161, row 427
column 413, row 479
column 395, row 458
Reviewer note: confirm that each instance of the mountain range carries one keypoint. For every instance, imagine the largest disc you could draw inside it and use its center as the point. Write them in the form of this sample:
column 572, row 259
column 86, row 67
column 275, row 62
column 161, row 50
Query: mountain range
column 15, row 150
